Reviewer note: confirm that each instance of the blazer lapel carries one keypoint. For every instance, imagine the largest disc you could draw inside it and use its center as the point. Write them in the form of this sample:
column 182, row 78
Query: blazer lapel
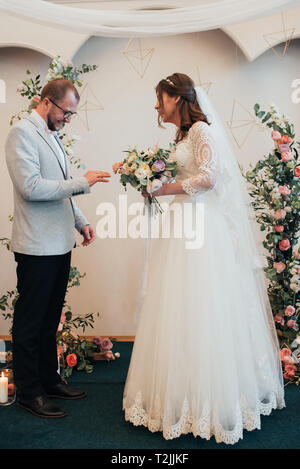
column 65, row 156
column 46, row 137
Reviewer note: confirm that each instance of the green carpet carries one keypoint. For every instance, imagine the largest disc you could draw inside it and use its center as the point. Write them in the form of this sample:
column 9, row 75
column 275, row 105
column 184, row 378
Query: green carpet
column 97, row 421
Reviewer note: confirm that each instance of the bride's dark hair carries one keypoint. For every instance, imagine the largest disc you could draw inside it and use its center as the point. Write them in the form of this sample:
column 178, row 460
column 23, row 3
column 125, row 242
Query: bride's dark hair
column 190, row 112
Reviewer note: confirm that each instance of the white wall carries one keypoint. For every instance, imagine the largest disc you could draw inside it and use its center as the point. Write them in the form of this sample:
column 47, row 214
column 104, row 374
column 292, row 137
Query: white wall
column 113, row 266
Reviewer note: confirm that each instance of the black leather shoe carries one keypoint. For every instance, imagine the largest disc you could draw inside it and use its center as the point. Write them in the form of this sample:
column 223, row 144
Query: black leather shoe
column 41, row 406
column 64, row 391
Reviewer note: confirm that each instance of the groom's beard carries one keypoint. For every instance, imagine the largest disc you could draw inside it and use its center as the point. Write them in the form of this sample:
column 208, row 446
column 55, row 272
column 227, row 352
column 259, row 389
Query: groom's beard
column 51, row 125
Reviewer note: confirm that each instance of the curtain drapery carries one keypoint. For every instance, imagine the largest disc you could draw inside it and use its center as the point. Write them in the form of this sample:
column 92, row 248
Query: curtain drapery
column 125, row 23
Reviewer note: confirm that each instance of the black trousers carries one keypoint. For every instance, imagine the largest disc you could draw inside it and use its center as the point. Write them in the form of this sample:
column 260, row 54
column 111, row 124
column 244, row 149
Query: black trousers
column 42, row 284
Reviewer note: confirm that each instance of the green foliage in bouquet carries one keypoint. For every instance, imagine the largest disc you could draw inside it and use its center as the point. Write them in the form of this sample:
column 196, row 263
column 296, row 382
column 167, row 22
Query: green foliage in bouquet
column 276, row 200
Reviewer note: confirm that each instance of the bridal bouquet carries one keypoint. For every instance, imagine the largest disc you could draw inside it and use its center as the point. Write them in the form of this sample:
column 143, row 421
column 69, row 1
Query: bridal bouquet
column 148, row 170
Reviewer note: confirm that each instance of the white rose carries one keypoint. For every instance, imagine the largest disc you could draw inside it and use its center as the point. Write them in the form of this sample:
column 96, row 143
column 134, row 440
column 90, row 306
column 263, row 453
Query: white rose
column 141, row 173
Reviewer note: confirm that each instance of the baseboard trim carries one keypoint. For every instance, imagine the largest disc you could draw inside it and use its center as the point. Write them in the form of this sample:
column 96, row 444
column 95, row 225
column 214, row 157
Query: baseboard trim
column 118, row 338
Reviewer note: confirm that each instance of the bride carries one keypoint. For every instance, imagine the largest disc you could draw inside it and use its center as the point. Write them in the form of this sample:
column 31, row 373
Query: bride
column 206, row 357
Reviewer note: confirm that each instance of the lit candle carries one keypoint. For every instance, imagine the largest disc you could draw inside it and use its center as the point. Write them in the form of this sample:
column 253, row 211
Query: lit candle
column 3, row 389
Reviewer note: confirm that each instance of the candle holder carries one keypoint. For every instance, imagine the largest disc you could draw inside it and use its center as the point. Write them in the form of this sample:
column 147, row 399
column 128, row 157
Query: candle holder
column 11, row 391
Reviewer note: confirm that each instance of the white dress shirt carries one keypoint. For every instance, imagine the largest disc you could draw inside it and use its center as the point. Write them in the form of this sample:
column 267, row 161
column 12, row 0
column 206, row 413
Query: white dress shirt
column 53, row 138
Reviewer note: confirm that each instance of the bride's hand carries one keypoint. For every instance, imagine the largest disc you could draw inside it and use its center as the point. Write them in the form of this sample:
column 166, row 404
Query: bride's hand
column 145, row 193
column 117, row 166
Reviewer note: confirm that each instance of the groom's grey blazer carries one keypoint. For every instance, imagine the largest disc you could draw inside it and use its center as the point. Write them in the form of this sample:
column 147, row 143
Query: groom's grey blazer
column 44, row 213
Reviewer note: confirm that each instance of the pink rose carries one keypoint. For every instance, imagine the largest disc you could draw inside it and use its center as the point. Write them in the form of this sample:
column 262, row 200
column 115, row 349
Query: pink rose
column 97, row 340
column 158, row 166
column 286, row 156
column 290, row 367
column 279, row 228
column 105, row 344
column 284, row 190
column 275, row 135
column 279, row 266
column 297, row 254
column 283, row 147
column 298, row 271
column 289, row 375
column 288, row 360
column 289, row 311
column 285, row 353
column 293, row 324
column 71, row 359
column 284, row 245
column 280, row 214
column 279, row 319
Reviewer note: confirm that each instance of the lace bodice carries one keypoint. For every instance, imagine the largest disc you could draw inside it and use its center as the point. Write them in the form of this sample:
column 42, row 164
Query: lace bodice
column 197, row 160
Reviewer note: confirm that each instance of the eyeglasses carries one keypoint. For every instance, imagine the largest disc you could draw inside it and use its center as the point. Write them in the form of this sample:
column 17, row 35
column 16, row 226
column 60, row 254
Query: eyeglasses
column 67, row 114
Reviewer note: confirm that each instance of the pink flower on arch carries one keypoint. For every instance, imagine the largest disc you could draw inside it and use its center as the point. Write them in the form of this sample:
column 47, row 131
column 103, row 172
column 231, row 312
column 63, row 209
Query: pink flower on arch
column 289, row 311
column 284, row 190
column 275, row 135
column 279, row 266
column 283, row 147
column 286, row 156
column 285, row 353
column 280, row 214
column 290, row 375
column 284, row 245
column 279, row 319
column 291, row 323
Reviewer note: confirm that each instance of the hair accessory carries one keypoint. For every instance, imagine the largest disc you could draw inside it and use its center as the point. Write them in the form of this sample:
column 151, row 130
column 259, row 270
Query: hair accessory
column 169, row 81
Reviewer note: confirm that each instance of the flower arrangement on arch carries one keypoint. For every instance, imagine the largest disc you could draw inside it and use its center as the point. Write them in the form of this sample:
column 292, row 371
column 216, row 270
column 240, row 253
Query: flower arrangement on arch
column 31, row 87
column 276, row 200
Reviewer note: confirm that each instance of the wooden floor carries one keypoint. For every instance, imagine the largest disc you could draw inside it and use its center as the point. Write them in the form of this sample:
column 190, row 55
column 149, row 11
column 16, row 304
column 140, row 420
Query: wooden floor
column 118, row 338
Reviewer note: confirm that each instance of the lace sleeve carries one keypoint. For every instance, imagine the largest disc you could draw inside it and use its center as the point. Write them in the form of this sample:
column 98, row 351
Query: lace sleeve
column 204, row 152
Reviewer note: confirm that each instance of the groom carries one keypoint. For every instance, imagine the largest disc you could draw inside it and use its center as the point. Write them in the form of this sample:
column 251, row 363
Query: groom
column 45, row 216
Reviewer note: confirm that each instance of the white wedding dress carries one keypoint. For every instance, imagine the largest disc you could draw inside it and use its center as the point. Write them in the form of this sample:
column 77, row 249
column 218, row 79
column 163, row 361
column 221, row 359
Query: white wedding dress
column 206, row 356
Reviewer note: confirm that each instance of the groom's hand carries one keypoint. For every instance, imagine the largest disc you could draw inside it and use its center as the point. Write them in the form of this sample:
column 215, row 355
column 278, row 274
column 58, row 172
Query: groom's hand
column 96, row 176
column 88, row 234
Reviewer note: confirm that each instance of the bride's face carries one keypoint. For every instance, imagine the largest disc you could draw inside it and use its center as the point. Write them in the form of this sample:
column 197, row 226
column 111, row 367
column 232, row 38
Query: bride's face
column 167, row 108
